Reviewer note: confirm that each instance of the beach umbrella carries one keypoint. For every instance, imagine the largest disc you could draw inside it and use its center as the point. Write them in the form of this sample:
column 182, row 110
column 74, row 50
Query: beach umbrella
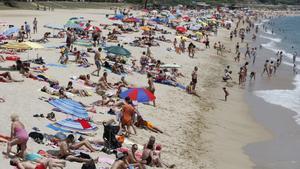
column 138, row 94
column 181, row 29
column 119, row 16
column 72, row 24
column 181, row 37
column 10, row 31
column 145, row 28
column 54, row 26
column 130, row 20
column 118, row 50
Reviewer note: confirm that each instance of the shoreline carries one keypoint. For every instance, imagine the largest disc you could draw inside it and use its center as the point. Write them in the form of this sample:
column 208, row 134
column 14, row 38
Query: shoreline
column 282, row 150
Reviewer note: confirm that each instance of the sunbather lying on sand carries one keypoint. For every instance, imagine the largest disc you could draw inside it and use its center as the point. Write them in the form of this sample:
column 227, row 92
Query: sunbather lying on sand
column 56, row 92
column 44, row 164
column 65, row 151
column 7, row 78
column 87, row 80
column 80, row 92
column 103, row 83
column 146, row 125
column 79, row 145
column 34, row 157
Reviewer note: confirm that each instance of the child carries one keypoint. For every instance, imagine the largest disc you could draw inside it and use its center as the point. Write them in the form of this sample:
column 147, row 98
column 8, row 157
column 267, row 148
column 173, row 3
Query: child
column 226, row 93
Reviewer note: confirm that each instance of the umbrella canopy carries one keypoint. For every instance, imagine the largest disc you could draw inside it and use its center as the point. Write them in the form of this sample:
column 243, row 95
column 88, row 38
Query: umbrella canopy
column 54, row 26
column 11, row 31
column 138, row 94
column 118, row 50
column 145, row 28
column 181, row 29
column 131, row 20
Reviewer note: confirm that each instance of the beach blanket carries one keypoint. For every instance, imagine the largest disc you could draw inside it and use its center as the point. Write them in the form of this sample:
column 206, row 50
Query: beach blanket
column 56, row 65
column 78, row 125
column 71, row 107
column 171, row 83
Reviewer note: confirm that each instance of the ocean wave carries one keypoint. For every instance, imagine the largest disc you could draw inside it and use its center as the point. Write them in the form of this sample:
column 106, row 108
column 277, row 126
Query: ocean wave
column 272, row 47
column 270, row 38
column 289, row 99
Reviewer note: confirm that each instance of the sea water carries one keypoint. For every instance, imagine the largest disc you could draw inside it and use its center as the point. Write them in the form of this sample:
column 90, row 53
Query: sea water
column 286, row 38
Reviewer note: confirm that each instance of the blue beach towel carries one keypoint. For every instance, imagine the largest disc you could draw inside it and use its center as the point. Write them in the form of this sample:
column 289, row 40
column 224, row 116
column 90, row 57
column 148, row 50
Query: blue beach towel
column 56, row 65
column 69, row 107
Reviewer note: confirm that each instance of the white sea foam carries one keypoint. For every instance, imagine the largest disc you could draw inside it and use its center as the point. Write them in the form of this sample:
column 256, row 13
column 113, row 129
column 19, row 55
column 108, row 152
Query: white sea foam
column 289, row 99
column 272, row 47
column 270, row 38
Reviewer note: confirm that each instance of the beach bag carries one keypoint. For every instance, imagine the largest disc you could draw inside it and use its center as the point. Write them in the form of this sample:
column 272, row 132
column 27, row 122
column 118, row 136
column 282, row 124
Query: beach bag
column 109, row 135
column 89, row 165
column 37, row 137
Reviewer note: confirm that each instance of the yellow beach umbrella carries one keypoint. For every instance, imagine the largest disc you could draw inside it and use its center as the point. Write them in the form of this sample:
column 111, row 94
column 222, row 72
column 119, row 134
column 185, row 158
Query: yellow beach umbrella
column 182, row 37
column 199, row 33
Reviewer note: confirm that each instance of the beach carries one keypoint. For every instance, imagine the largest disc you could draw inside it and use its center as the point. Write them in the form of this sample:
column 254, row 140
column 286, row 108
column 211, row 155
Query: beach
column 199, row 132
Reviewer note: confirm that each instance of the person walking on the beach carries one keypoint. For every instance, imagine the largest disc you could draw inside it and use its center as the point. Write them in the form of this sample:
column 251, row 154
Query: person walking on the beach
column 237, row 47
column 226, row 93
column 247, row 53
column 151, row 86
column 195, row 77
column 98, row 61
column 238, row 56
column 294, row 57
column 19, row 136
column 27, row 30
column 271, row 68
column 253, row 53
column 266, row 65
column 35, row 22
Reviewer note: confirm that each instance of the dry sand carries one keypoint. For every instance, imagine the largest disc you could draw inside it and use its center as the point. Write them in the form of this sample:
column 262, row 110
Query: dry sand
column 203, row 132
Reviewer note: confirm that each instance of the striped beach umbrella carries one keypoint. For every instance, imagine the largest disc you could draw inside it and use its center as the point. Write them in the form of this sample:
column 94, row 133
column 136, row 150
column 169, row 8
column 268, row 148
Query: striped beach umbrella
column 138, row 94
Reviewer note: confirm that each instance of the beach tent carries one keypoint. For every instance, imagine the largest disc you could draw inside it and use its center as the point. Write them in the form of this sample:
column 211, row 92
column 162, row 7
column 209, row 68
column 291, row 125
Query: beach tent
column 138, row 94
column 10, row 31
column 118, row 50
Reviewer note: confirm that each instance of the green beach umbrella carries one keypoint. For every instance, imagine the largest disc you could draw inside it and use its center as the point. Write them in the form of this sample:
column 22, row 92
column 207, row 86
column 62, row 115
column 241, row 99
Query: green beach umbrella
column 118, row 50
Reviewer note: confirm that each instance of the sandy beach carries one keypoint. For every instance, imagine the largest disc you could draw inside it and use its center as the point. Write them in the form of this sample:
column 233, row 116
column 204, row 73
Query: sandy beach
column 204, row 132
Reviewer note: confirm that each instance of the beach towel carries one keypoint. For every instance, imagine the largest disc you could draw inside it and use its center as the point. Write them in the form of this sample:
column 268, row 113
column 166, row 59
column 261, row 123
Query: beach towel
column 55, row 128
column 70, row 107
column 56, row 65
column 171, row 83
column 75, row 126
column 85, row 124
column 106, row 160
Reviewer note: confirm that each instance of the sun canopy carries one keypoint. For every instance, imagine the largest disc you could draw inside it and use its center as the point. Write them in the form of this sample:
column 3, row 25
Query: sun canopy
column 118, row 50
